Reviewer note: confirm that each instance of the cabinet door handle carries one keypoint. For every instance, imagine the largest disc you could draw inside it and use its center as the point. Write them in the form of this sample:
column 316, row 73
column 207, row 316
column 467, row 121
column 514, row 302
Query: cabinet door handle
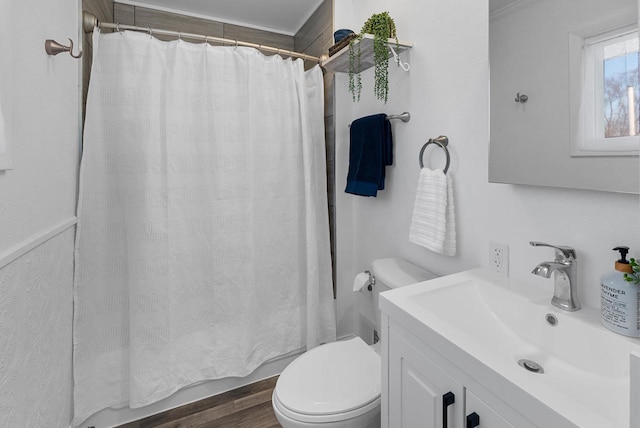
column 473, row 420
column 447, row 399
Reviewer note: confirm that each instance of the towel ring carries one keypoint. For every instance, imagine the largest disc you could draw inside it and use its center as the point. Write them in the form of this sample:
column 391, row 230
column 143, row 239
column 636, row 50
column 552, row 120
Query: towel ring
column 441, row 141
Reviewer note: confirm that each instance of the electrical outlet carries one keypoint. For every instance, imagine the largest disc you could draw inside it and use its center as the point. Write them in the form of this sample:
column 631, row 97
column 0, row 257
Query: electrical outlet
column 499, row 257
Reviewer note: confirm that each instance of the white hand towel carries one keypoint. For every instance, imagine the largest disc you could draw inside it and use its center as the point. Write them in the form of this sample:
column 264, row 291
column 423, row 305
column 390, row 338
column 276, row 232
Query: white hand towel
column 433, row 224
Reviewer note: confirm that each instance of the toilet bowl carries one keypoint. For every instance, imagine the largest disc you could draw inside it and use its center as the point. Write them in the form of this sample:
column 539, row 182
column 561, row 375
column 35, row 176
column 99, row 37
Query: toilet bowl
column 338, row 385
column 333, row 385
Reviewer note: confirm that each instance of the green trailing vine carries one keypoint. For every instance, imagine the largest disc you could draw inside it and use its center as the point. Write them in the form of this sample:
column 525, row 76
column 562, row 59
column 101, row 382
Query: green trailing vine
column 382, row 26
column 633, row 277
column 355, row 82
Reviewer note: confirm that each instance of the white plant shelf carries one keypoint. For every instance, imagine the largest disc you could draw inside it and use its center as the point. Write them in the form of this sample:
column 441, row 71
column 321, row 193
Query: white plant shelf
column 339, row 63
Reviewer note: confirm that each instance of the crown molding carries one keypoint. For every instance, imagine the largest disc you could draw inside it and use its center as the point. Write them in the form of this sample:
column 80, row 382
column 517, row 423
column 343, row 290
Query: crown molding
column 510, row 8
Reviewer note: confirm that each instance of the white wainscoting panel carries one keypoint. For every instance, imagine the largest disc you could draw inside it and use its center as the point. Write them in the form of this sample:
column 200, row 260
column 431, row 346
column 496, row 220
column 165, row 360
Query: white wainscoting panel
column 36, row 309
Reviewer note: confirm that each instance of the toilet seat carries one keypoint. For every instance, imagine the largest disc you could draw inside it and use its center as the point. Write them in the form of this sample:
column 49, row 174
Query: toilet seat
column 333, row 382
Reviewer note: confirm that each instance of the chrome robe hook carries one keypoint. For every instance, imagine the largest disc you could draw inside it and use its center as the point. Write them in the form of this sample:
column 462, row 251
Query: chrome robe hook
column 521, row 98
column 54, row 48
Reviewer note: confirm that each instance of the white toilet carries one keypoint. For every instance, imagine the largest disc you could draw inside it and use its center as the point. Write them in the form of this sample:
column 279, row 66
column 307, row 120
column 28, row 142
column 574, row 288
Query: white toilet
column 337, row 385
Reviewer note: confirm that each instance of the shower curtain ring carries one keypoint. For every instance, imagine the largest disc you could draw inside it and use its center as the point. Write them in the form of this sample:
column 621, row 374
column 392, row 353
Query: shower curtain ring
column 150, row 31
column 179, row 35
column 236, row 43
column 118, row 28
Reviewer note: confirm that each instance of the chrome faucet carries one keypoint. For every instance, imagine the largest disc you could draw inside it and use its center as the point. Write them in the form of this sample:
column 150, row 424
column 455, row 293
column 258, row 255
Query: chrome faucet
column 565, row 295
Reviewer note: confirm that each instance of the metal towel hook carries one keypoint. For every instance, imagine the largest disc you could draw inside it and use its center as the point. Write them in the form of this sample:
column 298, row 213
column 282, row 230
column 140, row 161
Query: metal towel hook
column 441, row 141
column 521, row 98
column 54, row 48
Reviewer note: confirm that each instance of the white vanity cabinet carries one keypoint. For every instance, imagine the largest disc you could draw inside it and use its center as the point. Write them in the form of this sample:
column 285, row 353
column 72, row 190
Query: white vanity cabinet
column 420, row 393
column 488, row 340
column 490, row 418
column 422, row 390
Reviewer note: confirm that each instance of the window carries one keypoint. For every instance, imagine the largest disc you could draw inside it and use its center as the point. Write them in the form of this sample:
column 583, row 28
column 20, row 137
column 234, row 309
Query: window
column 609, row 97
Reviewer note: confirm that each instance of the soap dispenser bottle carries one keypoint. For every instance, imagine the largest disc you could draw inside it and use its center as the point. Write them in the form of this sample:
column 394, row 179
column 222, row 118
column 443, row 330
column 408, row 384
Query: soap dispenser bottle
column 619, row 299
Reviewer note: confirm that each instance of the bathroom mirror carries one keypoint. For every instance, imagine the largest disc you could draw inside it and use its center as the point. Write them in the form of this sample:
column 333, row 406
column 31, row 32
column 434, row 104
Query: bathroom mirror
column 537, row 49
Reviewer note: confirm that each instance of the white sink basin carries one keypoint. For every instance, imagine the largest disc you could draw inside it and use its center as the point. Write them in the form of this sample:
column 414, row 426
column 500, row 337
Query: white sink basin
column 499, row 321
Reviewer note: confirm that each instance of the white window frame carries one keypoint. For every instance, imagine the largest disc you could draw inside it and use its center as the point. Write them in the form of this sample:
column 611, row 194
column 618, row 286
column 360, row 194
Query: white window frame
column 587, row 96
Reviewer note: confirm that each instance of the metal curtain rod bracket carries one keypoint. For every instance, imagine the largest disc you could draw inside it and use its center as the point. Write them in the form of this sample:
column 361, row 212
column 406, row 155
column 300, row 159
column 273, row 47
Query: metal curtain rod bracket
column 441, row 141
column 89, row 22
column 52, row 47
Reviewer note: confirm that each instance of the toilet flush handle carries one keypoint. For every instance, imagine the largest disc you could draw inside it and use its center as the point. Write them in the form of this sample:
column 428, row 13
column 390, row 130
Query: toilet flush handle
column 372, row 280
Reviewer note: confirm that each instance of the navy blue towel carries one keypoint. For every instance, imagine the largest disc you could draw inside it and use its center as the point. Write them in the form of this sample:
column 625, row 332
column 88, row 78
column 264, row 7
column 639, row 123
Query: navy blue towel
column 370, row 150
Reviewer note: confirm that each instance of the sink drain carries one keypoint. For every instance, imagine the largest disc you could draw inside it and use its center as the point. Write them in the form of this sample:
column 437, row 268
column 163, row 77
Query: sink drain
column 532, row 366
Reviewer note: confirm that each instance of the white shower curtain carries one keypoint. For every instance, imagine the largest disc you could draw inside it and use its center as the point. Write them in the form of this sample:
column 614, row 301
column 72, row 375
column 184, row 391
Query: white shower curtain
column 202, row 247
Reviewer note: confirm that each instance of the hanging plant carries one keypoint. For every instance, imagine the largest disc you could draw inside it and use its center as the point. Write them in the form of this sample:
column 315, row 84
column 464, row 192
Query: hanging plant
column 383, row 28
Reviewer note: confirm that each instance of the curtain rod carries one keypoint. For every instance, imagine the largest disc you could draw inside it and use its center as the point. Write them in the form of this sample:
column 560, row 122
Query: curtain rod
column 90, row 21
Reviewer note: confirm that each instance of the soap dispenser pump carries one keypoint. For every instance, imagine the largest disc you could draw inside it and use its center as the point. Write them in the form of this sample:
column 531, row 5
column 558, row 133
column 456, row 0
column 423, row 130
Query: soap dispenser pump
column 619, row 299
column 622, row 265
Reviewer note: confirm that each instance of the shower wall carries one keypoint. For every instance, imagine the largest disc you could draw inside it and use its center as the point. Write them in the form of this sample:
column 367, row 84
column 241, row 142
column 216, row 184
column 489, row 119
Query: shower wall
column 103, row 10
column 315, row 38
column 144, row 17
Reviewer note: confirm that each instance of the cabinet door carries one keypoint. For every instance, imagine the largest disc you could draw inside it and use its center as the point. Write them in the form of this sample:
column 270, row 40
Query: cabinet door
column 487, row 416
column 418, row 390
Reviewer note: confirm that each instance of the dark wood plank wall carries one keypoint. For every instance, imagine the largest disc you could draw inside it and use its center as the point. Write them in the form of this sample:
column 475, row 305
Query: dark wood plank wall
column 315, row 38
column 144, row 17
column 103, row 9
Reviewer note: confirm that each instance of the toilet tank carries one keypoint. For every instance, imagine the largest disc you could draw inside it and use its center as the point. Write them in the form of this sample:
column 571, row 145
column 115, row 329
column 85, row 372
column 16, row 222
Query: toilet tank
column 394, row 273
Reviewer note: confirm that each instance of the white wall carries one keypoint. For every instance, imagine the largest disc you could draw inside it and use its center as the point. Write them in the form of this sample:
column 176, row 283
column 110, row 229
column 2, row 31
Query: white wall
column 37, row 202
column 40, row 191
column 446, row 92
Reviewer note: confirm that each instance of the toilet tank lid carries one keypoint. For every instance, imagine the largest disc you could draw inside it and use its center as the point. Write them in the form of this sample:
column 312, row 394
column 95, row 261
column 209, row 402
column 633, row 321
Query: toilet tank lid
column 394, row 272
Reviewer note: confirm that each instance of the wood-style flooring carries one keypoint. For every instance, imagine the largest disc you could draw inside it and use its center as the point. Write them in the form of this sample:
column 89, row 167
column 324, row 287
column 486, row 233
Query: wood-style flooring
column 245, row 407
